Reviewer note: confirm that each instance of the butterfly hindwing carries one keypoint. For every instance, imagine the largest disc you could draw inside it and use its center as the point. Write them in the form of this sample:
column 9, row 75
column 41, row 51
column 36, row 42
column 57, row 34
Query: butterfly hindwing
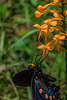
column 35, row 90
column 43, row 90
column 36, row 84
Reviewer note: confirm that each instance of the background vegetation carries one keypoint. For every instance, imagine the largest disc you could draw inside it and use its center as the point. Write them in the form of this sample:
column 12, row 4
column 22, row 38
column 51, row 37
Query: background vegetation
column 18, row 42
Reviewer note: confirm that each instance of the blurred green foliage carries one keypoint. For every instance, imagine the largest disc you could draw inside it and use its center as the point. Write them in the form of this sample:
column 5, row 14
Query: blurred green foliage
column 18, row 42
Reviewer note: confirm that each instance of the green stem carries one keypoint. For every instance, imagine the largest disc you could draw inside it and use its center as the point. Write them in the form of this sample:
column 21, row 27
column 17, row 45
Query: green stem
column 4, row 17
column 52, row 64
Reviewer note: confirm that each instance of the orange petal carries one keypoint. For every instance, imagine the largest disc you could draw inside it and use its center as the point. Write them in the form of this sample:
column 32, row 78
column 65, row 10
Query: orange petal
column 41, row 47
column 37, row 25
column 45, row 30
column 41, row 8
column 61, row 37
column 38, row 14
column 63, row 33
column 55, row 37
column 57, row 15
column 51, row 47
column 53, row 11
column 44, row 26
column 58, row 37
column 55, row 2
column 48, row 20
column 54, row 23
column 51, row 29
column 56, row 18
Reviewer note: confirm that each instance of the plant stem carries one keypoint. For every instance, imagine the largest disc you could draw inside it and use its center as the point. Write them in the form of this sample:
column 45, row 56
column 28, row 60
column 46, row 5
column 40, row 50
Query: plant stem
column 16, row 92
column 53, row 63
column 63, row 8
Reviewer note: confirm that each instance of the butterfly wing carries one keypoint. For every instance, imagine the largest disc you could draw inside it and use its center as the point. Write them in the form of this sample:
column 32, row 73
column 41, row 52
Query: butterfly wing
column 23, row 78
column 43, row 90
column 35, row 90
column 52, row 93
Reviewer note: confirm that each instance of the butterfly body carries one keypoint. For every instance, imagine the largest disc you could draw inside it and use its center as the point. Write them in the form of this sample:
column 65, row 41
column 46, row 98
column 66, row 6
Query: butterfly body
column 24, row 77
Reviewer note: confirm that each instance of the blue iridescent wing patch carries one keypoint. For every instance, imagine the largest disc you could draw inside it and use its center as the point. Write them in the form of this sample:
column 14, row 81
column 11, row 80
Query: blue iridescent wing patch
column 35, row 90
column 48, row 93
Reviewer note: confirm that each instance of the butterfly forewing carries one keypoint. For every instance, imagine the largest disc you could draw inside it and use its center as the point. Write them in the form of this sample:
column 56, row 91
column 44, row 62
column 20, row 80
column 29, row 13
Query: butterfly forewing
column 23, row 78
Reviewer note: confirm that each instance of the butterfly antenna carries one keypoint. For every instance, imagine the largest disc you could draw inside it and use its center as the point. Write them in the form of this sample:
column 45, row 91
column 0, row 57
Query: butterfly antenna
column 17, row 61
column 36, row 58
column 31, row 58
column 37, row 61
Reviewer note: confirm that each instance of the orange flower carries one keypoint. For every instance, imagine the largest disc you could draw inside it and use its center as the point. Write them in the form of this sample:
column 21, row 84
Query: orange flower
column 58, row 38
column 46, row 28
column 41, row 8
column 42, row 28
column 55, row 2
column 58, row 15
column 51, row 22
column 51, row 29
column 38, row 14
column 47, row 46
column 37, row 25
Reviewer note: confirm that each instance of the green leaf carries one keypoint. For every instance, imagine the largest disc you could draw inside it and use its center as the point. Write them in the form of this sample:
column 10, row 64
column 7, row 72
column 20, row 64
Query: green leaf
column 3, row 8
column 21, row 40
column 29, row 93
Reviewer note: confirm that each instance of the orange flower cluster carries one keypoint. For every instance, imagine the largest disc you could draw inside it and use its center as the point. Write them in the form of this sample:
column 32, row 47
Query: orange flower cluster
column 49, row 26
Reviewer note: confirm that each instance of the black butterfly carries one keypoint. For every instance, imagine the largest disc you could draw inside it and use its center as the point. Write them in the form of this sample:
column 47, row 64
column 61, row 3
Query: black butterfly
column 41, row 86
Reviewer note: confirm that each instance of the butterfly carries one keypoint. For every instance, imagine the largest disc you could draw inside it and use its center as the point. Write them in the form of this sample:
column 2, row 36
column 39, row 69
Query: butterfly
column 41, row 86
